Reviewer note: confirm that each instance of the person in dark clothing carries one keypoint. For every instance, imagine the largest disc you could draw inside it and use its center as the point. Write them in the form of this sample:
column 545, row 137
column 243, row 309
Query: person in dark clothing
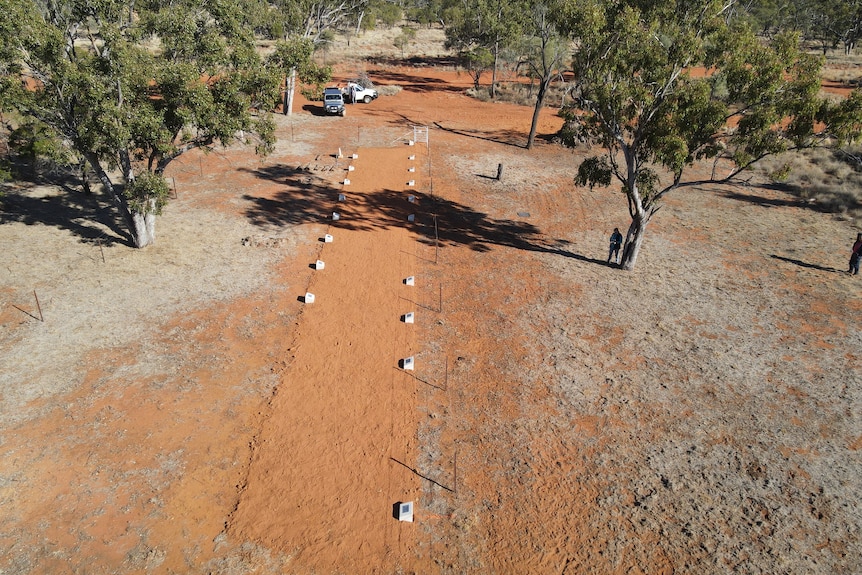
column 616, row 244
column 856, row 255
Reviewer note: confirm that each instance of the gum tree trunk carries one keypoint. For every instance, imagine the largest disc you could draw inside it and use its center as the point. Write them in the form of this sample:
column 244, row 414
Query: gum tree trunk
column 640, row 210
column 142, row 227
column 540, row 100
column 634, row 241
column 494, row 71
column 289, row 89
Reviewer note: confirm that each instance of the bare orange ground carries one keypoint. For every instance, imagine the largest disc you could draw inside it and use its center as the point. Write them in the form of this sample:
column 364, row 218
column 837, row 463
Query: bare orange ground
column 180, row 473
column 339, row 441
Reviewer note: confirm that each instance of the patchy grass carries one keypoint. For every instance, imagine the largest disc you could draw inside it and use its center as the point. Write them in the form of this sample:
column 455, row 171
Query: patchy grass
column 522, row 93
column 829, row 179
column 843, row 68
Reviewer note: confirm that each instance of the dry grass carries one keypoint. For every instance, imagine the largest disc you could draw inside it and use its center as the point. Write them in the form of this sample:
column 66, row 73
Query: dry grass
column 831, row 180
column 520, row 93
column 346, row 50
column 843, row 68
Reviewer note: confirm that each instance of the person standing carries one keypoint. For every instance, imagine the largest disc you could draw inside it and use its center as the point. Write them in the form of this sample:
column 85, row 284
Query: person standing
column 856, row 255
column 616, row 244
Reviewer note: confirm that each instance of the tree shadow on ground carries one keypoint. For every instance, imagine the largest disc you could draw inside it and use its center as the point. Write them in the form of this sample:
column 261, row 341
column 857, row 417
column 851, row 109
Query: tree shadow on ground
column 800, row 263
column 758, row 200
column 415, row 82
column 828, row 203
column 91, row 217
column 307, row 198
column 415, row 61
column 507, row 137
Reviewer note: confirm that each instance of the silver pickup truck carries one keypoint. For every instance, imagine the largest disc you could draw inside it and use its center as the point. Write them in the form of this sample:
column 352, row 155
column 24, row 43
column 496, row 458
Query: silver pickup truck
column 333, row 101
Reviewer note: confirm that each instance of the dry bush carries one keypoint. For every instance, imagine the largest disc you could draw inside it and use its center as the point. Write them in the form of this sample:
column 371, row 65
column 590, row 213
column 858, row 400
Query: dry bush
column 388, row 90
column 481, row 93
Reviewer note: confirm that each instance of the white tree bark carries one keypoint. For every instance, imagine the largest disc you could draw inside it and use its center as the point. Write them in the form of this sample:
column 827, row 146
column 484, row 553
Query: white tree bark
column 633, row 243
column 142, row 227
column 144, row 232
column 289, row 89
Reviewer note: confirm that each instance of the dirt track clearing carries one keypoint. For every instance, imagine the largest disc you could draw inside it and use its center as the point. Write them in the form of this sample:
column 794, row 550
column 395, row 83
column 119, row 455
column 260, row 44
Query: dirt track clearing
column 698, row 415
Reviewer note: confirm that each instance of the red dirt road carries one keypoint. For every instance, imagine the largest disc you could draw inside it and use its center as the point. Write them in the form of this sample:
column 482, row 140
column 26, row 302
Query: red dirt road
column 333, row 456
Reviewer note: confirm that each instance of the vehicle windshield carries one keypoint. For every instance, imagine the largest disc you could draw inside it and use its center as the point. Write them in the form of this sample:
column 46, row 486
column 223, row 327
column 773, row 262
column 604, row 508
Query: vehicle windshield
column 333, row 97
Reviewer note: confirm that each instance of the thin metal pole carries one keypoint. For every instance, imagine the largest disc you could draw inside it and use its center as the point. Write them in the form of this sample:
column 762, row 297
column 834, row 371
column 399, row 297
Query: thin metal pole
column 436, row 240
column 456, row 469
column 41, row 317
column 430, row 171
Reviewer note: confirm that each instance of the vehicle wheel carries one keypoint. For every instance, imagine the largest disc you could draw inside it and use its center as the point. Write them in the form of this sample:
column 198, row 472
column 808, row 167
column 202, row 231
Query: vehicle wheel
column 367, row 99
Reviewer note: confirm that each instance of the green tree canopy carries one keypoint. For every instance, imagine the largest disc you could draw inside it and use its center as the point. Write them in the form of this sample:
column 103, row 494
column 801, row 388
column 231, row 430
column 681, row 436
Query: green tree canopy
column 132, row 85
column 544, row 54
column 640, row 100
column 480, row 26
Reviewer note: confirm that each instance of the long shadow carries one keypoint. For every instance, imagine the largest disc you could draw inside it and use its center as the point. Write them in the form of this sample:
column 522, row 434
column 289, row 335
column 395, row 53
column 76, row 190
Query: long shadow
column 759, row 200
column 837, row 85
column 25, row 312
column 800, row 263
column 85, row 215
column 509, row 137
column 415, row 61
column 417, row 83
column 400, row 368
column 306, row 198
column 425, row 477
column 793, row 198
column 505, row 137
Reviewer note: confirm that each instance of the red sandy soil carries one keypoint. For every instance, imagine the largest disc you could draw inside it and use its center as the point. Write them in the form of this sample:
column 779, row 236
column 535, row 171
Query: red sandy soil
column 699, row 415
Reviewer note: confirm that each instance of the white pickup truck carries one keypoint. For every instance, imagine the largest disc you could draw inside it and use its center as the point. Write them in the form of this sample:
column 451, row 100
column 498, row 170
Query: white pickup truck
column 356, row 92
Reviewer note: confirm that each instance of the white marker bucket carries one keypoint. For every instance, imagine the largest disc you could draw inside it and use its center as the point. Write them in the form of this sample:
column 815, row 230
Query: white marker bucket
column 405, row 511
